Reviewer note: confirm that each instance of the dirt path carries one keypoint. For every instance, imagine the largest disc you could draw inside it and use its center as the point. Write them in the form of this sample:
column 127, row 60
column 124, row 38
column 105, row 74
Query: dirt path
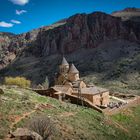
column 39, row 107
column 116, row 124
column 18, row 119
column 67, row 114
column 120, row 126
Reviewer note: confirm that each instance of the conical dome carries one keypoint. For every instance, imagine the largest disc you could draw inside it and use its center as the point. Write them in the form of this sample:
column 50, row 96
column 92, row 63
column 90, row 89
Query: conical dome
column 64, row 61
column 73, row 69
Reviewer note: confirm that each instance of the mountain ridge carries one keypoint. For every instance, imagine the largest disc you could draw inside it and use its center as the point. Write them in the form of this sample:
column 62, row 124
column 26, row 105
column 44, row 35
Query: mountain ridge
column 132, row 14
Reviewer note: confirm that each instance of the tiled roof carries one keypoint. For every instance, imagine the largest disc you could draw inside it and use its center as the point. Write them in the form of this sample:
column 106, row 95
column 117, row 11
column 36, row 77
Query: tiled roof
column 61, row 88
column 92, row 90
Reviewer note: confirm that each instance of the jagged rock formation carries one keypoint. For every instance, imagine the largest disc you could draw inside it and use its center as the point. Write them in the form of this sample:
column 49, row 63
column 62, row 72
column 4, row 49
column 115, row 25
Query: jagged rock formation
column 84, row 31
column 5, row 54
column 12, row 45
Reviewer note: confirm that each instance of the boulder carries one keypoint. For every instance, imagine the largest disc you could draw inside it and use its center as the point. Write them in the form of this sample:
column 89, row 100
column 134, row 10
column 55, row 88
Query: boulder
column 1, row 91
column 25, row 134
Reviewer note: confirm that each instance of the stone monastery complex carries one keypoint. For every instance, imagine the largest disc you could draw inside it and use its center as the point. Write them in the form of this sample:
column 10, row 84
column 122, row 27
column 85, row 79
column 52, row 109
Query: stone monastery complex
column 69, row 86
column 68, row 82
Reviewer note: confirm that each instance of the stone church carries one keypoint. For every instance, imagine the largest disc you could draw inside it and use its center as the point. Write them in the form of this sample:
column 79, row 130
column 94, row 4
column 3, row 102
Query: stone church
column 68, row 75
column 68, row 82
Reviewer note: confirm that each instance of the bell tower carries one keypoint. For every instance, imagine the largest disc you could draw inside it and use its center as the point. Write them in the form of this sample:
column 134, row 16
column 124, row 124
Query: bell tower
column 64, row 67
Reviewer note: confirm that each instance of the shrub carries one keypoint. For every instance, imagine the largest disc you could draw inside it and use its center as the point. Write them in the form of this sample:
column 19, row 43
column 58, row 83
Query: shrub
column 18, row 81
column 42, row 125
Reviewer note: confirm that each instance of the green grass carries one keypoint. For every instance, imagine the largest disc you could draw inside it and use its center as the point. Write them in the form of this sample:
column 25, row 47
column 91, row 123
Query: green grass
column 131, row 121
column 71, row 121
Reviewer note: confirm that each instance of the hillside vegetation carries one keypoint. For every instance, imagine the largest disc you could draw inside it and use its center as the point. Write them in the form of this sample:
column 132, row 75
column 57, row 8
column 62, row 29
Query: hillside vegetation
column 18, row 105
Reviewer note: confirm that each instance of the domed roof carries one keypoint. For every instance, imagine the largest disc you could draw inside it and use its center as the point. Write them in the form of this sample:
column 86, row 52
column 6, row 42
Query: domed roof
column 73, row 69
column 64, row 61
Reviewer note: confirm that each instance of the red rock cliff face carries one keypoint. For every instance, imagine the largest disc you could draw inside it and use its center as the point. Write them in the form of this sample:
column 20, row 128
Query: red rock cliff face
column 84, row 31
column 67, row 36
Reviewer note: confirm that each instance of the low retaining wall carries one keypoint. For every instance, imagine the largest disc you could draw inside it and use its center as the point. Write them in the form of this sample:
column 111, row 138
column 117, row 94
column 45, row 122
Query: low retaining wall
column 85, row 102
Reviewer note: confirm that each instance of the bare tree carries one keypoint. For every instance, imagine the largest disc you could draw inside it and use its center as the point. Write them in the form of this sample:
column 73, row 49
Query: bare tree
column 43, row 126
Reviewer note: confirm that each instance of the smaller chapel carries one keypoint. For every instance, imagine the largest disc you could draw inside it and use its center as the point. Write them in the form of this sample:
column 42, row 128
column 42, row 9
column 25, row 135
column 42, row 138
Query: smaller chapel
column 68, row 75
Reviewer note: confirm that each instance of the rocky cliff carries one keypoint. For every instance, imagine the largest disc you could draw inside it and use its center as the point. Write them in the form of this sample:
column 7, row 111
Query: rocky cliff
column 11, row 45
column 85, row 31
column 66, row 36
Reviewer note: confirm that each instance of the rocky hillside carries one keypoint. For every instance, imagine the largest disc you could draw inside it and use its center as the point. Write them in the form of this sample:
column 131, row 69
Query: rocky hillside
column 84, row 31
column 104, row 47
column 66, row 36
column 18, row 107
column 11, row 45
column 5, row 53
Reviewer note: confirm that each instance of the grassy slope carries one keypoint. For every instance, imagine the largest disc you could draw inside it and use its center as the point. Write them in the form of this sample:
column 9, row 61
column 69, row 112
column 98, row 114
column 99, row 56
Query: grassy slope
column 72, row 122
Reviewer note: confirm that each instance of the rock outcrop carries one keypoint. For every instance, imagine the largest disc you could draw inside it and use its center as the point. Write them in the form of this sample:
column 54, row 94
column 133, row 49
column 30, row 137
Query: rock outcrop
column 84, row 31
column 23, row 133
column 132, row 14
column 11, row 45
column 1, row 91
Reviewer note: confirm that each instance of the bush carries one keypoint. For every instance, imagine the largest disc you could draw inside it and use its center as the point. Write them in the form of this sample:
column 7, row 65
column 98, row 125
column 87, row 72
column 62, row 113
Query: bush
column 42, row 125
column 18, row 81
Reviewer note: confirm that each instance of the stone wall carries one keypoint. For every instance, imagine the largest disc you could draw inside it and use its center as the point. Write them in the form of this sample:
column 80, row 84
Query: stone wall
column 85, row 102
column 96, row 99
column 105, row 98
column 87, row 96
column 73, row 77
